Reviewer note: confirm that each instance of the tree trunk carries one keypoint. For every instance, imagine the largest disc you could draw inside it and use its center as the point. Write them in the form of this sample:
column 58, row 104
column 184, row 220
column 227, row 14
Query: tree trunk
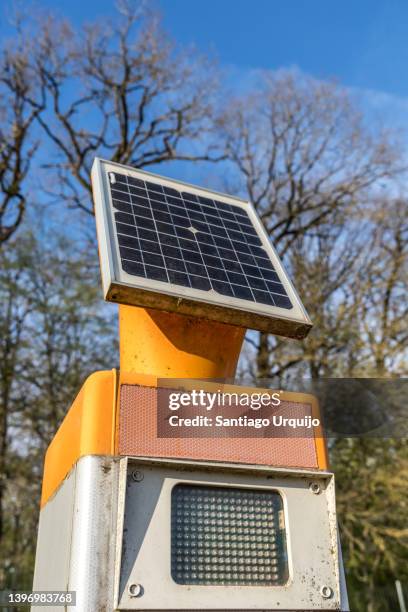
column 263, row 369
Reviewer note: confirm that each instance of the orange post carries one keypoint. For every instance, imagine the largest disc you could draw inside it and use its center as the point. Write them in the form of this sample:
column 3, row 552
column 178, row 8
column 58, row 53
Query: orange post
column 169, row 345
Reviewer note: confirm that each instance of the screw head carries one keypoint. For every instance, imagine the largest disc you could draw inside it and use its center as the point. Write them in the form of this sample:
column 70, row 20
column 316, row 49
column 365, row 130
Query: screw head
column 137, row 476
column 314, row 487
column 326, row 592
column 135, row 590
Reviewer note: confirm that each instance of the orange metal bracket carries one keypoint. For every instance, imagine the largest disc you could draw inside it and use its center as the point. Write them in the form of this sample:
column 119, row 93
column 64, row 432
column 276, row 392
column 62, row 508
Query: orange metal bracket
column 169, row 345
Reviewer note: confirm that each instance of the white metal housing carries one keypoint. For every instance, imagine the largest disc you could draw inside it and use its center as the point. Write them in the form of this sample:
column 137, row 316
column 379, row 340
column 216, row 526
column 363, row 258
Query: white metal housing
column 106, row 535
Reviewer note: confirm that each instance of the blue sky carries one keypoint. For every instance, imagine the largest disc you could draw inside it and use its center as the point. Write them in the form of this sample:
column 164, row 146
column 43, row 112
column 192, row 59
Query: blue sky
column 361, row 43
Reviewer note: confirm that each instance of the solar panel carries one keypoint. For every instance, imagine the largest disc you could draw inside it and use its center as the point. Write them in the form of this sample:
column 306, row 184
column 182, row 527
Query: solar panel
column 177, row 247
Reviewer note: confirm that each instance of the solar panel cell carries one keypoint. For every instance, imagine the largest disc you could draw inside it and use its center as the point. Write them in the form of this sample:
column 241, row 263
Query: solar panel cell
column 122, row 206
column 198, row 282
column 169, row 240
column 175, row 264
column 156, row 273
column 147, row 234
column 154, row 186
column 138, row 193
column 153, row 259
column 132, row 181
column 243, row 293
column 121, row 195
column 141, row 211
column 131, row 254
column 134, row 268
column 223, row 288
column 156, row 197
column 263, row 297
column 192, row 256
column 149, row 246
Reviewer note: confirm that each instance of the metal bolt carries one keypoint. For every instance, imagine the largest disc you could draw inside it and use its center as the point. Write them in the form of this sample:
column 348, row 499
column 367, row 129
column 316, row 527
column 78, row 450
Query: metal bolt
column 326, row 592
column 135, row 590
column 137, row 476
column 314, row 487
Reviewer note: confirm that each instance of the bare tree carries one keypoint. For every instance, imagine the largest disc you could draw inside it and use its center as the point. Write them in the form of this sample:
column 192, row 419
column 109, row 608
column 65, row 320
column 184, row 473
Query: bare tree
column 323, row 185
column 353, row 281
column 383, row 308
column 17, row 116
column 15, row 308
column 52, row 335
column 301, row 152
column 120, row 90
column 324, row 267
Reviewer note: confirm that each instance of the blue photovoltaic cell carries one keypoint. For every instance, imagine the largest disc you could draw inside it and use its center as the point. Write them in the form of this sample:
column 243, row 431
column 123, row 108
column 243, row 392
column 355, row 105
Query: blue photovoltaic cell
column 180, row 238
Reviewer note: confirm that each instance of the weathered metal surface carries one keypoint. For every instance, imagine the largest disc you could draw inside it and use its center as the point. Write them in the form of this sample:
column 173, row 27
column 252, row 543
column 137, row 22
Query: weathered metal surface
column 106, row 535
column 311, row 532
column 133, row 296
column 93, row 543
column 54, row 541
column 77, row 536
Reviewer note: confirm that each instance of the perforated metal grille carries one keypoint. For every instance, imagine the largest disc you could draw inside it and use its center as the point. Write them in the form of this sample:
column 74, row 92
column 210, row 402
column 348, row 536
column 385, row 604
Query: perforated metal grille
column 138, row 436
column 227, row 536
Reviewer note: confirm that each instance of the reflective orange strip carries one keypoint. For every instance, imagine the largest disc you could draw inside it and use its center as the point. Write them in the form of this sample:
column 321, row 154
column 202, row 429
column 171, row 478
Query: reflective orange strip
column 87, row 429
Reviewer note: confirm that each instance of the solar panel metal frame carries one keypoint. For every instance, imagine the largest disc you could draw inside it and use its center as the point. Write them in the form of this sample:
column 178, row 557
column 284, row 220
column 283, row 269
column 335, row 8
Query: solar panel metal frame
column 123, row 288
